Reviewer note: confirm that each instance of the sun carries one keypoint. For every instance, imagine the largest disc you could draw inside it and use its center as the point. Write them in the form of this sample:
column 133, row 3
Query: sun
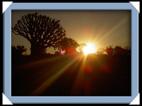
column 89, row 48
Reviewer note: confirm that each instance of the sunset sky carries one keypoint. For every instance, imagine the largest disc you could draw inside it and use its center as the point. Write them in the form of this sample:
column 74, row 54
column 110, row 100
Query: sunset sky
column 104, row 28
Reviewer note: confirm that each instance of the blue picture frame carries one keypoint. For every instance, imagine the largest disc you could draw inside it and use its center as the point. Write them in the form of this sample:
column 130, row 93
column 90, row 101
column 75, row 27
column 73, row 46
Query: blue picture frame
column 71, row 99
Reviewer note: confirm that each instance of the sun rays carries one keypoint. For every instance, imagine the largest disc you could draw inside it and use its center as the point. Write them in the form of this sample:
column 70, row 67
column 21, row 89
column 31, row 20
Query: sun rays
column 49, row 81
column 89, row 48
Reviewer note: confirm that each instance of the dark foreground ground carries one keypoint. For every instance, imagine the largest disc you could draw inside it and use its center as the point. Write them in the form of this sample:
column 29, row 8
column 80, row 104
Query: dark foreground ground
column 96, row 75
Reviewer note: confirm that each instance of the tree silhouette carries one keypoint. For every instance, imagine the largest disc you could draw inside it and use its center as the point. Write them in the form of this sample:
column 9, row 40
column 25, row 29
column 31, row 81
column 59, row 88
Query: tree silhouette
column 69, row 45
column 42, row 31
column 109, row 50
column 121, row 51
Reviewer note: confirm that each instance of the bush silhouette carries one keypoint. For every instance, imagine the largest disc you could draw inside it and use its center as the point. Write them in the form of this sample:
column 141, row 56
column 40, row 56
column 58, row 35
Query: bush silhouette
column 17, row 54
column 18, row 50
column 109, row 50
column 41, row 31
column 118, row 50
column 121, row 51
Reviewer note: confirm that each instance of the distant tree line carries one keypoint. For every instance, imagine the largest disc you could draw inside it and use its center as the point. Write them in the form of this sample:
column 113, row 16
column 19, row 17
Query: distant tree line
column 117, row 51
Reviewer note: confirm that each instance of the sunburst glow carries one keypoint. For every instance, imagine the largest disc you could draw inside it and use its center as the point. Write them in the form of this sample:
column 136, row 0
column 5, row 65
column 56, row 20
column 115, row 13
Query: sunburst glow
column 89, row 48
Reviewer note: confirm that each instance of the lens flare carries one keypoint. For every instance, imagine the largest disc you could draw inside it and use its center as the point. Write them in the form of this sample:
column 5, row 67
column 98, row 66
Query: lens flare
column 89, row 48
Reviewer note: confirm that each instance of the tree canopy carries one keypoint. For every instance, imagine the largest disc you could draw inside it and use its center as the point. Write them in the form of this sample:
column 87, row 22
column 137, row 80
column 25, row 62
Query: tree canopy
column 40, row 30
column 68, row 44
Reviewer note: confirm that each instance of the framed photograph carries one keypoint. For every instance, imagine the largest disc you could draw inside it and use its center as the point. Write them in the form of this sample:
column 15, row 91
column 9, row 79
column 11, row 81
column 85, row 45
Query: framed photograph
column 71, row 53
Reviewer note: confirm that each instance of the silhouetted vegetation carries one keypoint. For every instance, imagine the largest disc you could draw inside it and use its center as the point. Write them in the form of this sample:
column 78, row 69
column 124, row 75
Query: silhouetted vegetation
column 18, row 50
column 68, row 45
column 117, row 51
column 41, row 31
column 17, row 54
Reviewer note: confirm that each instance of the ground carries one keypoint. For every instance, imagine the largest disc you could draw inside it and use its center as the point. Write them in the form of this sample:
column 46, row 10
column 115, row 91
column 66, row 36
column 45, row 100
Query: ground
column 95, row 75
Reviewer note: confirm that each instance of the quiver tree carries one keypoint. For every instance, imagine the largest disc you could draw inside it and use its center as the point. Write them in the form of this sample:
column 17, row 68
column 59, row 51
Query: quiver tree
column 40, row 30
